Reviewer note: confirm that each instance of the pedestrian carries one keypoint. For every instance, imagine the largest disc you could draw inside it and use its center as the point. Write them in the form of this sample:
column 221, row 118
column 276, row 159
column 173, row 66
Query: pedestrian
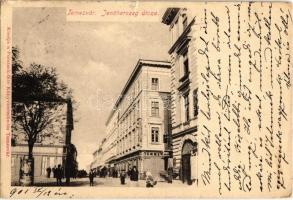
column 68, row 173
column 74, row 174
column 150, row 182
column 170, row 170
column 134, row 174
column 62, row 172
column 122, row 177
column 170, row 174
column 103, row 172
column 129, row 172
column 59, row 175
column 91, row 177
column 54, row 171
column 48, row 172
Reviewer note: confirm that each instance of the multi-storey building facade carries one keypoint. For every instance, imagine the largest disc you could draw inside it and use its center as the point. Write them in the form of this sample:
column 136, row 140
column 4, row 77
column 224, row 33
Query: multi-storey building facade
column 228, row 128
column 104, row 156
column 110, row 148
column 140, row 118
column 97, row 156
column 183, row 91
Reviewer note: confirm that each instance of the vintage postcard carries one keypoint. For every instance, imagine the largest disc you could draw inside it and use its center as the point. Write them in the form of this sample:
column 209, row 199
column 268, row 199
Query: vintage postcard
column 127, row 99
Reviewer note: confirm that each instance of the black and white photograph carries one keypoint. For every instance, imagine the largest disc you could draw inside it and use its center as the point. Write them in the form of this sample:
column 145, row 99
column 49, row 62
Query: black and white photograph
column 146, row 99
column 75, row 87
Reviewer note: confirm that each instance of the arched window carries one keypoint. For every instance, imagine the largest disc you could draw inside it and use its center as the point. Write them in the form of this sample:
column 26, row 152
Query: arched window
column 188, row 147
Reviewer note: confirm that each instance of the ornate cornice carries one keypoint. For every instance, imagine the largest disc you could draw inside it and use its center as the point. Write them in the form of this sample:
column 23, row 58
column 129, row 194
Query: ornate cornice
column 135, row 72
column 169, row 15
column 184, row 132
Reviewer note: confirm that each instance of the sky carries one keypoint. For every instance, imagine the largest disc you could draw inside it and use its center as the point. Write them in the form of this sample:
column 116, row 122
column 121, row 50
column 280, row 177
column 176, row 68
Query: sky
column 94, row 59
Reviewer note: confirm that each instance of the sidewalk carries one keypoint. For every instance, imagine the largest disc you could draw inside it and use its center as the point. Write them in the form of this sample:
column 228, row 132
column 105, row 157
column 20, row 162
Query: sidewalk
column 103, row 182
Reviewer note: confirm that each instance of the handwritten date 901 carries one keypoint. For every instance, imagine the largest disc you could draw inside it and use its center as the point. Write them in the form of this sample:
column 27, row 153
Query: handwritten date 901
column 39, row 192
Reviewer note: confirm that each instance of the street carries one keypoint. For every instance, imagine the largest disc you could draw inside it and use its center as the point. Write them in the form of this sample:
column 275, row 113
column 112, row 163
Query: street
column 104, row 182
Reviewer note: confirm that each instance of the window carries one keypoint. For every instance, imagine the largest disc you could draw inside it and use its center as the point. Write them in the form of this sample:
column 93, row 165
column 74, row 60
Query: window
column 175, row 32
column 186, row 106
column 137, row 109
column 137, row 86
column 126, row 142
column 128, row 120
column 184, row 21
column 134, row 137
column 130, row 140
column 123, row 144
column 195, row 103
column 44, row 166
column 134, row 113
column 155, row 109
column 139, row 135
column 155, row 134
column 132, row 94
column 155, row 83
column 185, row 63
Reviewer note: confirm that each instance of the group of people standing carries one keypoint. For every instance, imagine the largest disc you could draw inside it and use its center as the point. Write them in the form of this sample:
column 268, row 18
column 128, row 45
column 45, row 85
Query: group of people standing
column 58, row 173
column 132, row 173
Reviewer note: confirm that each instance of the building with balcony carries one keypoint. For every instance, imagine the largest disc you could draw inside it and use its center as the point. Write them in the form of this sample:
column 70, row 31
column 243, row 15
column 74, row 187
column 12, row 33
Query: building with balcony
column 140, row 118
column 184, row 101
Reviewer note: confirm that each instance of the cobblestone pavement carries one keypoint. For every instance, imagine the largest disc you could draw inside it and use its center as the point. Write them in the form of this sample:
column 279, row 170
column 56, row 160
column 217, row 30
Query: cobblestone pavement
column 105, row 182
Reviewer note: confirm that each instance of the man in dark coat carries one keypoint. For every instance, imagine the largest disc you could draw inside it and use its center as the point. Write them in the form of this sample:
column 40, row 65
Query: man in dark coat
column 122, row 177
column 54, row 171
column 91, row 177
column 62, row 172
column 59, row 175
column 48, row 172
column 129, row 172
column 134, row 174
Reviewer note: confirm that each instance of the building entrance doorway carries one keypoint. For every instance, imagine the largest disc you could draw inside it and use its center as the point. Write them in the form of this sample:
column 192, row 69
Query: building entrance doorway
column 186, row 169
column 187, row 149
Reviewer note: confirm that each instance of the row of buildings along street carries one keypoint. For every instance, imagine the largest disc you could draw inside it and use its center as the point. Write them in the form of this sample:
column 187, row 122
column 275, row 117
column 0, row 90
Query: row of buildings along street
column 153, row 124
column 151, row 127
column 146, row 95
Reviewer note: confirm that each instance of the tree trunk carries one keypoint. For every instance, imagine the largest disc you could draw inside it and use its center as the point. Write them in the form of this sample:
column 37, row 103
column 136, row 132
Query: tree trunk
column 27, row 168
column 30, row 150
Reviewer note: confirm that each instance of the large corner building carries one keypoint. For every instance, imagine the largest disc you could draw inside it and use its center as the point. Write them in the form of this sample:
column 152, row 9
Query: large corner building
column 140, row 119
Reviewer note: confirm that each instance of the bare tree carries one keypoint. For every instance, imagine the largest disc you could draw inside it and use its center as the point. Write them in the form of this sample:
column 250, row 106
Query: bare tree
column 37, row 95
column 16, row 62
